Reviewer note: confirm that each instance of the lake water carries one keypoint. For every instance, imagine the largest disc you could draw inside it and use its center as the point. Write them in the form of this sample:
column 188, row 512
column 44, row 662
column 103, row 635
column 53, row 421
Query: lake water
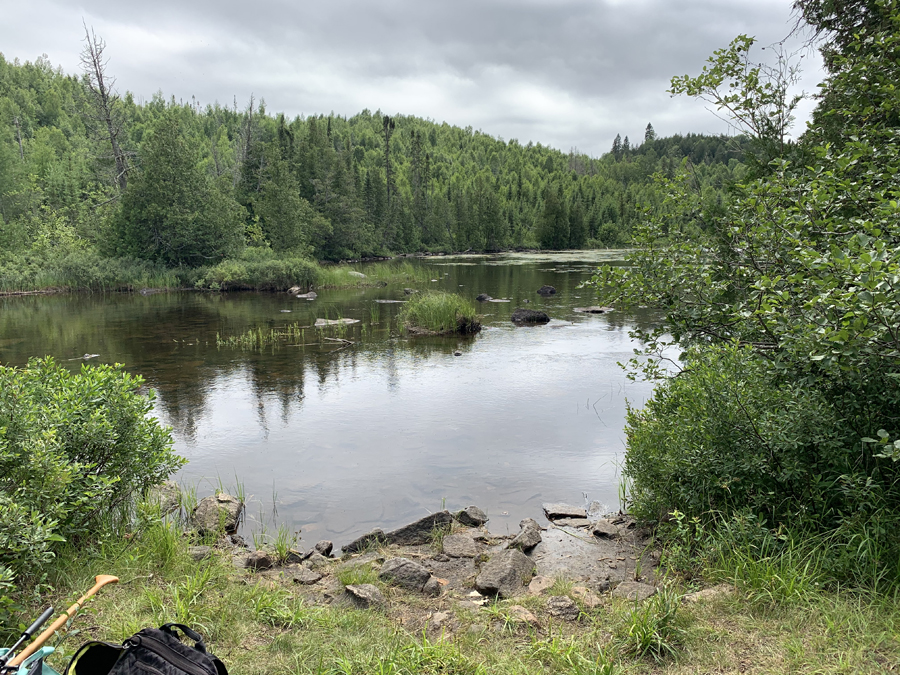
column 335, row 439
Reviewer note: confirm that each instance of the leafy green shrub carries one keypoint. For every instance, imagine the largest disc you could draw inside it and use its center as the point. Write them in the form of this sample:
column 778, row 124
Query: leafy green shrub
column 440, row 313
column 74, row 448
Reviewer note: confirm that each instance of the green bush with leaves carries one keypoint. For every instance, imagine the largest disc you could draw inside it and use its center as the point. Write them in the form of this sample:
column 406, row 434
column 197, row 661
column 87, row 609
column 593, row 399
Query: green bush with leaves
column 75, row 449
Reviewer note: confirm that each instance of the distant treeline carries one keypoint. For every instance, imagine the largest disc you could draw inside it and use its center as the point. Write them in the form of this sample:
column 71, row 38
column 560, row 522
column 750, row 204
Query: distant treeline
column 179, row 185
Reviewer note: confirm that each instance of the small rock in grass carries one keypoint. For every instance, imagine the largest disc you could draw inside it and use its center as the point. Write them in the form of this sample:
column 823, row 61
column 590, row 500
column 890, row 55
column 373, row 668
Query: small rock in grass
column 365, row 596
column 505, row 574
column 259, row 560
column 563, row 607
column 306, row 577
column 707, row 594
column 633, row 590
column 434, row 587
column 521, row 615
column 405, row 573
column 539, row 584
column 586, row 596
column 199, row 553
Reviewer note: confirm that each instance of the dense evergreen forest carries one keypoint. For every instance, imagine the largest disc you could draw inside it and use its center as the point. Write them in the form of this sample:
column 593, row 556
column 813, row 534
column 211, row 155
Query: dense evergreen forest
column 87, row 175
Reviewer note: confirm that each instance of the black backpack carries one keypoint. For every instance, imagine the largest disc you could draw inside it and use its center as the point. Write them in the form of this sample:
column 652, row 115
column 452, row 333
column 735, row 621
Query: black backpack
column 152, row 651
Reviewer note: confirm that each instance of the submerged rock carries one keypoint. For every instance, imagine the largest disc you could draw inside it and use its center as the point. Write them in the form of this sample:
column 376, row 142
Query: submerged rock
column 521, row 316
column 546, row 290
column 483, row 297
column 592, row 310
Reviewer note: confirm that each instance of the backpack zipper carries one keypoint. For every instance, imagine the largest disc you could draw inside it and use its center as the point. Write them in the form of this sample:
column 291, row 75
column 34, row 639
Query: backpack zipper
column 165, row 652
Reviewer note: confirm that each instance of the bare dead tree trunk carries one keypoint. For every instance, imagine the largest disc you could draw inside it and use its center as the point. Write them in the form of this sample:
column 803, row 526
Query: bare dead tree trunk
column 19, row 137
column 102, row 89
column 244, row 141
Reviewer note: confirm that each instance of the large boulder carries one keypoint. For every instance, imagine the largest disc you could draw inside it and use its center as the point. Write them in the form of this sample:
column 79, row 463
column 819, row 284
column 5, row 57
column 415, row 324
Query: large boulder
column 405, row 573
column 472, row 516
column 523, row 316
column 421, row 531
column 546, row 290
column 505, row 574
column 221, row 512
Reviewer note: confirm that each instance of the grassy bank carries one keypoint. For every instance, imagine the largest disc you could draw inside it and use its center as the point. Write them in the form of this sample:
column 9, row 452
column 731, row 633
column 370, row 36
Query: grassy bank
column 263, row 622
column 440, row 313
column 254, row 269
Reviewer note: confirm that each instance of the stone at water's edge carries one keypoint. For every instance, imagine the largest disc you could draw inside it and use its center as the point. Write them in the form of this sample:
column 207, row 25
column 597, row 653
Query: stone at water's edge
column 306, row 577
column 219, row 512
column 593, row 310
column 405, row 573
column 365, row 596
column 529, row 535
column 546, row 290
column 505, row 574
column 604, row 528
column 259, row 560
column 529, row 316
column 572, row 522
column 324, row 547
column 472, row 516
column 483, row 297
column 633, row 590
column 167, row 495
column 557, row 511
column 594, row 510
column 374, row 537
column 419, row 532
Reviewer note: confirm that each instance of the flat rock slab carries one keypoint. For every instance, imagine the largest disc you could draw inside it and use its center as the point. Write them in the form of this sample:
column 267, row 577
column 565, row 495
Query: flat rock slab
column 576, row 554
column 521, row 615
column 594, row 309
column 365, row 596
column 572, row 522
column 420, row 532
column 306, row 577
column 633, row 590
column 557, row 511
column 460, row 546
column 540, row 584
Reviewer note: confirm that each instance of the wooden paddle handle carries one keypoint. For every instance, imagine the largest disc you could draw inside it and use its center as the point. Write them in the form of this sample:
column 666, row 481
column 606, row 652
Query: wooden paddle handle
column 101, row 581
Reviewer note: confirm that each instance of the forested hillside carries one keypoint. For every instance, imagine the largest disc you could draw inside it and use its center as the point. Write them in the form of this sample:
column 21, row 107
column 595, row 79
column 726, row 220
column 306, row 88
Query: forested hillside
column 169, row 183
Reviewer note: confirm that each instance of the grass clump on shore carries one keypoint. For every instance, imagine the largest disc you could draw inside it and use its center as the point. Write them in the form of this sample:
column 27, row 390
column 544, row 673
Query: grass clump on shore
column 344, row 276
column 440, row 313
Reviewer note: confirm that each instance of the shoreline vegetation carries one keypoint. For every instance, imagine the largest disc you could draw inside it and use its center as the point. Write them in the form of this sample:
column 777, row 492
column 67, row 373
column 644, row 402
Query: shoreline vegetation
column 438, row 313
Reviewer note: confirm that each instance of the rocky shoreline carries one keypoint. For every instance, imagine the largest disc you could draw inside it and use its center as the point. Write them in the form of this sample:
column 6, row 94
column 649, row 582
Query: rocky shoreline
column 451, row 562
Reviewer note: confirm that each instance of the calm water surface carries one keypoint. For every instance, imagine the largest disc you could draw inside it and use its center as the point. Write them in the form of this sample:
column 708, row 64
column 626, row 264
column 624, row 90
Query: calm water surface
column 340, row 440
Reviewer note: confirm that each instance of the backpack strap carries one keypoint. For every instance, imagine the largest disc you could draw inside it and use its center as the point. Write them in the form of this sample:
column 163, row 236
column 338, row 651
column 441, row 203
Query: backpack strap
column 190, row 633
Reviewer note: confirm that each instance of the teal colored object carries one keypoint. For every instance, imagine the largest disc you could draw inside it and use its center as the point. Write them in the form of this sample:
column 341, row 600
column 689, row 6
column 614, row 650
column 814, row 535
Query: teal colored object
column 41, row 653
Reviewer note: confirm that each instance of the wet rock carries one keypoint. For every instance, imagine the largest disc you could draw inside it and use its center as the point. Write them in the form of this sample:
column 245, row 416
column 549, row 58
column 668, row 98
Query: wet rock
column 529, row 535
column 460, row 546
column 167, row 495
column 521, row 316
column 457, row 353
column 365, row 596
column 563, row 607
column 372, row 538
column 409, row 291
column 539, row 584
column 434, row 587
column 312, row 295
column 633, row 590
column 405, row 573
column 199, row 553
column 354, row 273
column 505, row 574
column 557, row 511
column 219, row 513
column 586, row 596
column 546, row 290
column 572, row 522
column 707, row 594
column 420, row 532
column 306, row 577
column 483, row 297
column 521, row 615
column 605, row 529
column 324, row 547
column 472, row 516
column 259, row 560
column 594, row 309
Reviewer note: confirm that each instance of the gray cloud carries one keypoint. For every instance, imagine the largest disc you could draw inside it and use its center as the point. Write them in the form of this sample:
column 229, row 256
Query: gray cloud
column 566, row 73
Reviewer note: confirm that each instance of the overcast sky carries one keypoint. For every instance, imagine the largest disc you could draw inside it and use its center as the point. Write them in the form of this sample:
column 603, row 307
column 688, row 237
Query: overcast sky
column 565, row 73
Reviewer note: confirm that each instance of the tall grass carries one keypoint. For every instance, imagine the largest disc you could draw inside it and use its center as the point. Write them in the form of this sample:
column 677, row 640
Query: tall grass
column 338, row 276
column 440, row 313
column 257, row 338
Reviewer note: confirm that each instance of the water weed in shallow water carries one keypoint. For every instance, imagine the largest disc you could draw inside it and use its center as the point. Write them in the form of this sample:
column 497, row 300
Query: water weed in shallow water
column 441, row 313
